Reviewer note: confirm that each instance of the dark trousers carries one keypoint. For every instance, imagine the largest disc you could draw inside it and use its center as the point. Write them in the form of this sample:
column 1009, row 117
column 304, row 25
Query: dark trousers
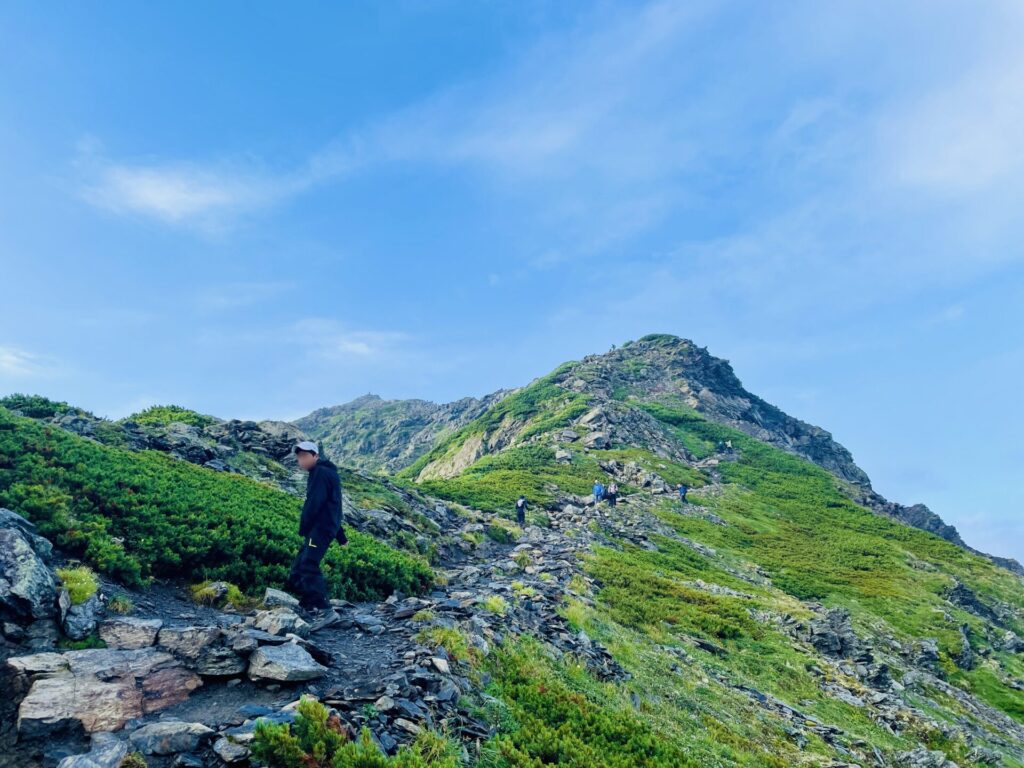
column 306, row 578
column 521, row 516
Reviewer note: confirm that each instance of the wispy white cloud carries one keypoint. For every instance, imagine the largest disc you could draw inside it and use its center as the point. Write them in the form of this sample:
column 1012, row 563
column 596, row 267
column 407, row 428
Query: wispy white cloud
column 329, row 340
column 573, row 108
column 17, row 363
column 206, row 196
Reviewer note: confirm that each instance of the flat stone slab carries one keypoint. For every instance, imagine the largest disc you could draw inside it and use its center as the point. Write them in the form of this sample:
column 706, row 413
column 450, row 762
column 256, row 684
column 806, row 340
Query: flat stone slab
column 284, row 663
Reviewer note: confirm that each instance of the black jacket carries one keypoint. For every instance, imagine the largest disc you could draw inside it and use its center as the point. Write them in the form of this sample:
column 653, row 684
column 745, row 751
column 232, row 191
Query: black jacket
column 321, row 514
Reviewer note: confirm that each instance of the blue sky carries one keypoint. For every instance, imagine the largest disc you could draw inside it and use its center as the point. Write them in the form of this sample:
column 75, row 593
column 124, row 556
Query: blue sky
column 255, row 210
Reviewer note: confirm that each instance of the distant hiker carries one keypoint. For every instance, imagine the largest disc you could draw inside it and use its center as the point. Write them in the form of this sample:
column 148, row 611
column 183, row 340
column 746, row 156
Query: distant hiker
column 682, row 493
column 612, row 494
column 720, row 446
column 728, row 445
column 319, row 525
column 598, row 492
column 521, row 511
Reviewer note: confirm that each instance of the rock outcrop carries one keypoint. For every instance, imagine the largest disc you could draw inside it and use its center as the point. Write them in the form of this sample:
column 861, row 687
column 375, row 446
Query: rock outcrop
column 97, row 689
column 28, row 589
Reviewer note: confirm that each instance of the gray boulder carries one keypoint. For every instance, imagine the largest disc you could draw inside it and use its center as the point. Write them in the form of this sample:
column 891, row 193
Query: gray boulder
column 42, row 546
column 27, row 587
column 275, row 597
column 220, row 661
column 280, row 621
column 105, row 751
column 229, row 751
column 78, row 621
column 168, row 737
column 284, row 663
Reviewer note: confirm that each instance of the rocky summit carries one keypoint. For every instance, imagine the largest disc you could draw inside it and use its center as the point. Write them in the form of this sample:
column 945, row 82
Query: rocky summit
column 777, row 611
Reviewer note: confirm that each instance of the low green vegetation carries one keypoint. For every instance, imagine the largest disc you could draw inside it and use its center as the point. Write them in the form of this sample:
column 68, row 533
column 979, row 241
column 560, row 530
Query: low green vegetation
column 494, row 604
column 80, row 582
column 162, row 415
column 494, row 482
column 220, row 594
column 681, row 618
column 138, row 515
column 35, row 406
column 502, row 531
column 556, row 714
column 318, row 740
column 451, row 639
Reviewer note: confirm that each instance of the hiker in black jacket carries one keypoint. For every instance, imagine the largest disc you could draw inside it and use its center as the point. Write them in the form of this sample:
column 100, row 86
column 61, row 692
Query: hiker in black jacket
column 319, row 525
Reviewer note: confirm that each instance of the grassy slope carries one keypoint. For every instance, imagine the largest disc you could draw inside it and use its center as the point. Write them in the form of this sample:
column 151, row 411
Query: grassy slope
column 785, row 516
column 137, row 515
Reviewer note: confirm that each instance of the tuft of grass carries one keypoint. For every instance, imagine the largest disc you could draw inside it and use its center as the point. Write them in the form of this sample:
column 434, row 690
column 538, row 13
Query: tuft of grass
column 449, row 638
column 220, row 594
column 494, row 604
column 502, row 531
column 120, row 604
column 80, row 582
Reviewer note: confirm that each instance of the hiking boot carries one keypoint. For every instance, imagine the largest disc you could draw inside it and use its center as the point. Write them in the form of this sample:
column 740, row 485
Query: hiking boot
column 323, row 618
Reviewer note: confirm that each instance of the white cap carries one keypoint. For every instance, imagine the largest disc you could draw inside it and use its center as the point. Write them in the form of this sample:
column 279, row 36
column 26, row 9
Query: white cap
column 307, row 445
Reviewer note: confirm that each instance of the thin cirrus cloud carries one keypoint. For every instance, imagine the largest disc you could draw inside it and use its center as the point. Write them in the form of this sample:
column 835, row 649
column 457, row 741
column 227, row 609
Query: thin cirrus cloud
column 612, row 129
column 565, row 124
column 19, row 364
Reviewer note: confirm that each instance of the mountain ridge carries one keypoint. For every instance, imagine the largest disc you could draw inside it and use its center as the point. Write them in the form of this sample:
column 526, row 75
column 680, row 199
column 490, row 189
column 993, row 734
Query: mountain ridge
column 660, row 366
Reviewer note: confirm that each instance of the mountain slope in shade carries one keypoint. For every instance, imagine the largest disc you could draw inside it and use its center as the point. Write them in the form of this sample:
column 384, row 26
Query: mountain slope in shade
column 387, row 435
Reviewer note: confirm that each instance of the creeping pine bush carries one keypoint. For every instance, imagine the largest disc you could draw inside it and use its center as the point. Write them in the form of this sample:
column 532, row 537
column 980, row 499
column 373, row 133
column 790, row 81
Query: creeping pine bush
column 139, row 515
column 318, row 740
column 549, row 721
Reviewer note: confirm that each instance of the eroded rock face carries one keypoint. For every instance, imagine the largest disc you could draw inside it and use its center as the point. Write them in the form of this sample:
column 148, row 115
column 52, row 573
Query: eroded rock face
column 27, row 587
column 98, row 689
column 284, row 663
column 833, row 635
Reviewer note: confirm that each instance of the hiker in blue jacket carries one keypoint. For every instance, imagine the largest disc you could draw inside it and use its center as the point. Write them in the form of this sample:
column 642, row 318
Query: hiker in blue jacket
column 682, row 493
column 319, row 525
column 598, row 492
